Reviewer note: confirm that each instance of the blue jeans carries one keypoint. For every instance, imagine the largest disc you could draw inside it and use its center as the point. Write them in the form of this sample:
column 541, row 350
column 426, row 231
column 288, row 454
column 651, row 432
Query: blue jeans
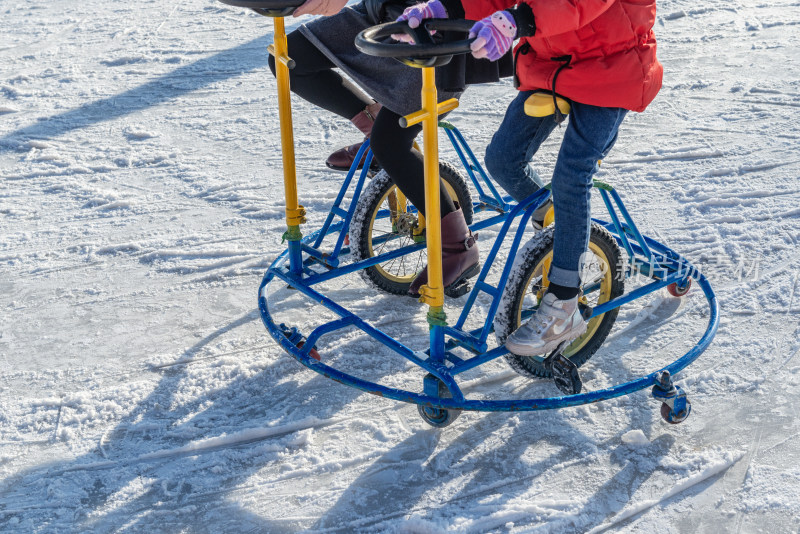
column 589, row 136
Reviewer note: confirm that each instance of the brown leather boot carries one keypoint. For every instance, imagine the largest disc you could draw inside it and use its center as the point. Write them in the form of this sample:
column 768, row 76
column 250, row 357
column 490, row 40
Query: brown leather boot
column 342, row 159
column 460, row 259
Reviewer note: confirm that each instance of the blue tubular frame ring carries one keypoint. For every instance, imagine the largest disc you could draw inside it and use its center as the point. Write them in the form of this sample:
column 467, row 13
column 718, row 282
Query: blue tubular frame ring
column 439, row 369
column 653, row 259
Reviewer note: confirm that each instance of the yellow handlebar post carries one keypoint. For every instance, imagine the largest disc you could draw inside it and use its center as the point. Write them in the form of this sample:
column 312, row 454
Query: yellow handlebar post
column 432, row 293
column 295, row 213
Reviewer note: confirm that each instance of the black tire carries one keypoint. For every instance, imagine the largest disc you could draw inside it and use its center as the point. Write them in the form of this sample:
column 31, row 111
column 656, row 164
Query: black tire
column 526, row 286
column 373, row 232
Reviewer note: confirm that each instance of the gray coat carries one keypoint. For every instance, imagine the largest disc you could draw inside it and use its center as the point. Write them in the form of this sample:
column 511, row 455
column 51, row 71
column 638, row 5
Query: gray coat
column 388, row 81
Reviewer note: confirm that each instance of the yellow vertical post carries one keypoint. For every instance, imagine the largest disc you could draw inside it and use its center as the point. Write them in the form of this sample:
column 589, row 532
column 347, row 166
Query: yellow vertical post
column 433, row 293
column 294, row 211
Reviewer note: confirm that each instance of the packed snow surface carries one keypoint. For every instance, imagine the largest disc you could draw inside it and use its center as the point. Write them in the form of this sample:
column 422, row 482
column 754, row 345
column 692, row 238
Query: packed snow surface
column 140, row 204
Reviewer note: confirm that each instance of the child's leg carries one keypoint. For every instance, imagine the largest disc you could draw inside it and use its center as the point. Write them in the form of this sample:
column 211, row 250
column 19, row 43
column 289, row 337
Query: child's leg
column 509, row 154
column 590, row 134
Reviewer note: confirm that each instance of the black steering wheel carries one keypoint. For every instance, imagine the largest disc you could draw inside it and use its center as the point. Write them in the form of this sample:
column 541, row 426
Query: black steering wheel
column 268, row 8
column 429, row 48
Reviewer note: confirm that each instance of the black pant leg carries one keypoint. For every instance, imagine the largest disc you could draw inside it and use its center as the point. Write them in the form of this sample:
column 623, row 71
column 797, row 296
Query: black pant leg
column 315, row 80
column 393, row 147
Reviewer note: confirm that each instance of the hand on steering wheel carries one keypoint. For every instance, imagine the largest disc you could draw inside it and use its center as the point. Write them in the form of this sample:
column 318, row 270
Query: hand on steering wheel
column 494, row 36
column 416, row 14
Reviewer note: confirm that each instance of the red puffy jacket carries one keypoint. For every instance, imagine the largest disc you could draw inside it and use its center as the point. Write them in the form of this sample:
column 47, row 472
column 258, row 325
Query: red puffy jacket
column 597, row 52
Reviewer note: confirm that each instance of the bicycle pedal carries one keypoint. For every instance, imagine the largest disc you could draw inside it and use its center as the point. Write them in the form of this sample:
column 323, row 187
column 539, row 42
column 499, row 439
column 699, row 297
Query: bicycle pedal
column 586, row 311
column 565, row 373
column 457, row 290
column 461, row 286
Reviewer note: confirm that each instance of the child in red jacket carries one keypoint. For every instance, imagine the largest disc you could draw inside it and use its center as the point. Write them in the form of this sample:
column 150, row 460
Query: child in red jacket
column 601, row 55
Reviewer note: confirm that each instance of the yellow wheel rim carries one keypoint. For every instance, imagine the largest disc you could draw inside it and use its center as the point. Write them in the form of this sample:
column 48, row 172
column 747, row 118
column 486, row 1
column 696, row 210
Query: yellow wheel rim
column 404, row 269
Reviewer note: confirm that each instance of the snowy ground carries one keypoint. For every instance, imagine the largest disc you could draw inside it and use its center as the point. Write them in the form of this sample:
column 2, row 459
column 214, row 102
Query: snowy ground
column 140, row 205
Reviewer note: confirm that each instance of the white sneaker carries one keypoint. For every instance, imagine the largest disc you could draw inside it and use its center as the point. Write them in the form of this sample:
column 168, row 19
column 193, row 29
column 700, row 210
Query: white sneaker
column 553, row 323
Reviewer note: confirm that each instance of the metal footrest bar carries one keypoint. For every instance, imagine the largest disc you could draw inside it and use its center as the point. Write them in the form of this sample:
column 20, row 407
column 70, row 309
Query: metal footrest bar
column 336, row 209
column 523, row 211
column 464, row 154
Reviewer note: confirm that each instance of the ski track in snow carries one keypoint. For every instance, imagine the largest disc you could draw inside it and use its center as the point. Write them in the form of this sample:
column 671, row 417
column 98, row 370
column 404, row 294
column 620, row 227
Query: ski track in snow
column 140, row 205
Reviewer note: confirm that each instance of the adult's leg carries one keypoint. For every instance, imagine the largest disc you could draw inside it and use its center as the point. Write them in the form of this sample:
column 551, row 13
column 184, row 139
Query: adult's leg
column 590, row 134
column 393, row 145
column 314, row 79
column 509, row 154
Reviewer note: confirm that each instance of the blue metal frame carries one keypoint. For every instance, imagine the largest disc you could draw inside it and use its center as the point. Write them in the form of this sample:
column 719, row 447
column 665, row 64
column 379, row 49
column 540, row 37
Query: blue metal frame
column 332, row 259
column 646, row 255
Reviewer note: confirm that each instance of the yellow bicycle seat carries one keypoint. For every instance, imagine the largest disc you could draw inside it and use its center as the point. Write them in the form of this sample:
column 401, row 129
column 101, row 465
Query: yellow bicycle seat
column 540, row 104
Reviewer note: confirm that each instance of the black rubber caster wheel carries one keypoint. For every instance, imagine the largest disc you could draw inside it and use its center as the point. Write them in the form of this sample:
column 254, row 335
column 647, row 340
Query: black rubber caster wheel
column 674, row 419
column 438, row 417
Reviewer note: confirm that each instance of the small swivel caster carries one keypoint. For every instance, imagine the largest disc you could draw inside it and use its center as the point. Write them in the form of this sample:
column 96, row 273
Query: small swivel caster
column 298, row 340
column 437, row 417
column 679, row 289
column 675, row 407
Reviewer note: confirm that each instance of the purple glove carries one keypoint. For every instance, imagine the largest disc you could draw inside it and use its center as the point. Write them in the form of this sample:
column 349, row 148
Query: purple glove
column 495, row 35
column 415, row 14
column 427, row 10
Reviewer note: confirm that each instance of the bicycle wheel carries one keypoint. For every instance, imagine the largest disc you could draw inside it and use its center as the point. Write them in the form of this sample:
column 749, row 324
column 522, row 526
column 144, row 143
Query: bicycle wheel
column 385, row 221
column 603, row 280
